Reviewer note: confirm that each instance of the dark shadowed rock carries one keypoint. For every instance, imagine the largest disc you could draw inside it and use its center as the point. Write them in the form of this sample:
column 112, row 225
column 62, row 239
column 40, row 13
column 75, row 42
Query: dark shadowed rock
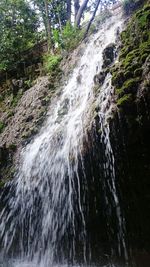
column 108, row 55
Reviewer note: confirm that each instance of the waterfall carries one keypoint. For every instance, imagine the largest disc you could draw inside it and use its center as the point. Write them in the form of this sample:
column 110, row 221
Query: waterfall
column 42, row 222
column 104, row 102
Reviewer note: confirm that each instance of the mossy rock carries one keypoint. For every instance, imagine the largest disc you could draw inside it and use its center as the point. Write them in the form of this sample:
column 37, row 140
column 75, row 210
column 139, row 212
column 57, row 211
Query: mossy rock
column 128, row 74
column 2, row 126
column 146, row 8
column 135, row 49
column 118, row 79
column 144, row 57
column 108, row 55
column 145, row 36
column 131, row 68
column 125, row 100
column 131, row 85
column 13, row 147
column 120, row 92
column 125, row 51
column 138, row 72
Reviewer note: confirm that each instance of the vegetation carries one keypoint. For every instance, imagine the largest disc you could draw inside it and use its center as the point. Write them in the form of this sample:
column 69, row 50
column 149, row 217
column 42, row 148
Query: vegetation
column 18, row 26
column 51, row 62
column 127, row 75
column 23, row 24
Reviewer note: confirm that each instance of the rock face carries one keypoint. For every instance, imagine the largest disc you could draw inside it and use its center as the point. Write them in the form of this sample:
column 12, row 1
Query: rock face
column 21, row 118
column 27, row 111
column 131, row 140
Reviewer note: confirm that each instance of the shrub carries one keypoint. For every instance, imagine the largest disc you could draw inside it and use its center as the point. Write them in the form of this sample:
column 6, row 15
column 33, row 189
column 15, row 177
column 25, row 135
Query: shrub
column 69, row 38
column 51, row 62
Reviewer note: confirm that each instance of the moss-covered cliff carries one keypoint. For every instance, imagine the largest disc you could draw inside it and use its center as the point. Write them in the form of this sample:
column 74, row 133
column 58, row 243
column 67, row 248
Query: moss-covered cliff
column 131, row 132
column 133, row 66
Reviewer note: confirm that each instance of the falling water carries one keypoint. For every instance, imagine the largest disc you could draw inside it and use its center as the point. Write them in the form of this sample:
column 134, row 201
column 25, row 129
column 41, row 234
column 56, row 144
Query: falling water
column 42, row 222
column 105, row 104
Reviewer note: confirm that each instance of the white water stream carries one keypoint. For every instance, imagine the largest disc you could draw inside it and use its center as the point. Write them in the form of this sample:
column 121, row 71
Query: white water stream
column 38, row 225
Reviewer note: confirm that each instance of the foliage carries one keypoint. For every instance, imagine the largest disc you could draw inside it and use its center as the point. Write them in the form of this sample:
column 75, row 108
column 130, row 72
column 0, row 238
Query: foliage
column 71, row 36
column 17, row 30
column 51, row 62
column 57, row 12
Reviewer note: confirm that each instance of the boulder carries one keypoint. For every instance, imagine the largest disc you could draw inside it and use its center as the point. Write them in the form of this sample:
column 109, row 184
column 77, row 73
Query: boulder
column 108, row 55
column 99, row 78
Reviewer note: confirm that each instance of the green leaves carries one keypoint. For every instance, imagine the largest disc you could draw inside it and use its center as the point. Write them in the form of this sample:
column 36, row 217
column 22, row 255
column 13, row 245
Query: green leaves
column 18, row 24
column 51, row 62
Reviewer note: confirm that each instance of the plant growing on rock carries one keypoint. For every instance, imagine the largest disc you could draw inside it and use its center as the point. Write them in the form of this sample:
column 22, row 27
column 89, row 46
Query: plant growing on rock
column 51, row 62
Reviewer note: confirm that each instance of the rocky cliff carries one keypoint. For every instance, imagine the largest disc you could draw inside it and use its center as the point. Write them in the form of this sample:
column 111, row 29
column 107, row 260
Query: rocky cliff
column 130, row 131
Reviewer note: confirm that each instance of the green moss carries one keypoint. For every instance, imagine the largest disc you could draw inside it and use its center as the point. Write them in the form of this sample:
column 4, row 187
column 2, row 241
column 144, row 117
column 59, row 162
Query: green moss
column 118, row 78
column 146, row 7
column 145, row 36
column 2, row 126
column 128, row 74
column 143, row 18
column 138, row 72
column 10, row 113
column 124, row 100
column 144, row 57
column 127, row 48
column 119, row 92
column 131, row 85
column 135, row 50
column 13, row 147
column 145, row 48
column 2, row 183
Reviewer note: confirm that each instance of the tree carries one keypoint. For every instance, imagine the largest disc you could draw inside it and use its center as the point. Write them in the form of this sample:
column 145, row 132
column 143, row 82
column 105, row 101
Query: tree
column 48, row 25
column 76, row 7
column 80, row 12
column 93, row 16
column 18, row 25
column 103, row 4
column 54, row 14
column 69, row 10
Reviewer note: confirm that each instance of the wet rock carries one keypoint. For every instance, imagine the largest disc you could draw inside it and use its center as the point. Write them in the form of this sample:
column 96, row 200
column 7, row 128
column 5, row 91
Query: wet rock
column 29, row 118
column 16, row 85
column 108, row 55
column 79, row 78
column 4, row 155
column 99, row 78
